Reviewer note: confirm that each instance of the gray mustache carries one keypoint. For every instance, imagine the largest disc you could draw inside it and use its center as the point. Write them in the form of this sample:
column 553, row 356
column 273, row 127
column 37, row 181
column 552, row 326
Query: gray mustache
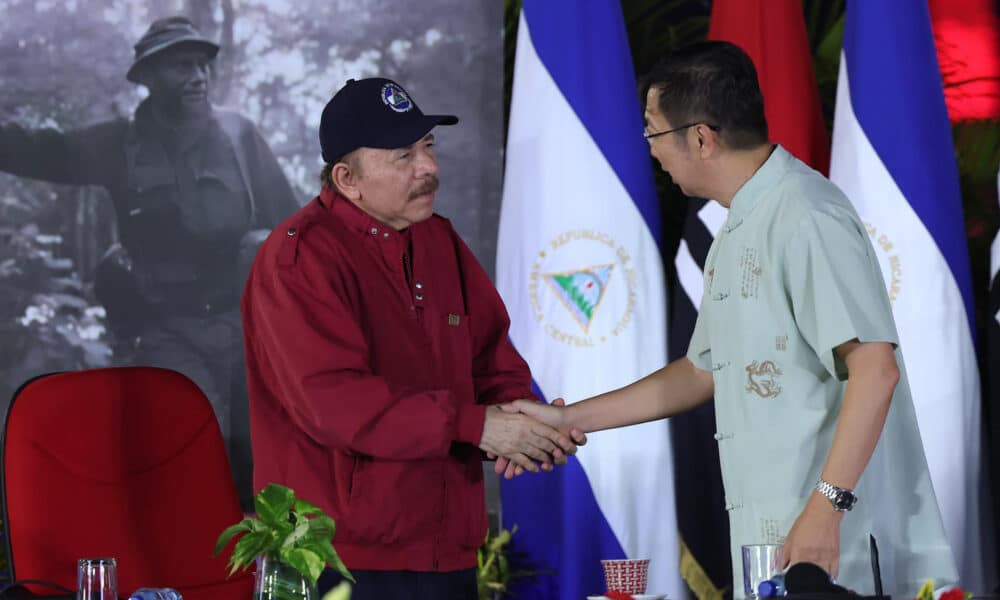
column 429, row 187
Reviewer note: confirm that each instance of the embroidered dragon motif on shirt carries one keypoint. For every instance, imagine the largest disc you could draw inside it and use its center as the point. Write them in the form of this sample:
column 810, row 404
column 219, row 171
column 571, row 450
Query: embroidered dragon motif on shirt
column 762, row 378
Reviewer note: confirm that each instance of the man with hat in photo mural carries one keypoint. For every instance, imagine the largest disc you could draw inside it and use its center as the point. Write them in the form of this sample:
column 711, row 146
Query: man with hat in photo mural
column 377, row 353
column 195, row 189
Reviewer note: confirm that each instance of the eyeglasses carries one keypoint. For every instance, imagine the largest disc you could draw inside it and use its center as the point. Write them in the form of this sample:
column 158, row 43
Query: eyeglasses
column 650, row 136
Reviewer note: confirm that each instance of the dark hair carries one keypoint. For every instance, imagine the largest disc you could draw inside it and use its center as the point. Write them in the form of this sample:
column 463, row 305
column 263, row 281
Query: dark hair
column 712, row 82
column 326, row 176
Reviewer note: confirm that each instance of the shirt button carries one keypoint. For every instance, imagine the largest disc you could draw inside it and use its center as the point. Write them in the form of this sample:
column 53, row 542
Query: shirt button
column 291, row 231
column 374, row 230
column 386, row 235
column 419, row 296
column 208, row 307
column 418, row 285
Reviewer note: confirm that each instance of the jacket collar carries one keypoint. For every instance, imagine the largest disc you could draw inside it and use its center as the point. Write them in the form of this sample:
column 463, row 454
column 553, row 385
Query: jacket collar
column 757, row 187
column 358, row 220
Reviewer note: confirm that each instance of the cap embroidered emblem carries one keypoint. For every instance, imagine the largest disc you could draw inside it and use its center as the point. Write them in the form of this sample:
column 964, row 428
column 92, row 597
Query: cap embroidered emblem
column 395, row 98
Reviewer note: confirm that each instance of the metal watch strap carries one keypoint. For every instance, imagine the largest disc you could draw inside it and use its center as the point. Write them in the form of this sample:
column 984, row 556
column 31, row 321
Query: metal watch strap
column 832, row 493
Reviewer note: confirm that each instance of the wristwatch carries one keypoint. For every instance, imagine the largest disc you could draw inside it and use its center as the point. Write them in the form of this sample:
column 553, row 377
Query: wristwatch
column 842, row 499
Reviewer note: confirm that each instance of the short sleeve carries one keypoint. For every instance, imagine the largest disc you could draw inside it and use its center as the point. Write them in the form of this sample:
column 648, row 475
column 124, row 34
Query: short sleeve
column 835, row 286
column 699, row 348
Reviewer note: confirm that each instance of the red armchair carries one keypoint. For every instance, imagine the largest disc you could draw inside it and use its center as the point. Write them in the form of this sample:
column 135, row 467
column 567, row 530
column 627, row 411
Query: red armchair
column 123, row 462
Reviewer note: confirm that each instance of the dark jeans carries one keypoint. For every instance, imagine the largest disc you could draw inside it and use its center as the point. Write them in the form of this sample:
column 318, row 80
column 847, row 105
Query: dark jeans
column 405, row 585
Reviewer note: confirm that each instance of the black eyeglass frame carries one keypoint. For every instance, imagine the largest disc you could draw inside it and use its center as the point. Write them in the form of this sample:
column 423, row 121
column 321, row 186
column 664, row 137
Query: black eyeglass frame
column 650, row 136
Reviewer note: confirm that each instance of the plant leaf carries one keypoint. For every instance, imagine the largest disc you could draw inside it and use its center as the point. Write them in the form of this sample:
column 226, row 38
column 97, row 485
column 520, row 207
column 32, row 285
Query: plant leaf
column 297, row 534
column 247, row 549
column 830, row 46
column 228, row 533
column 341, row 568
column 341, row 592
column 322, row 527
column 273, row 504
column 306, row 562
column 257, row 525
column 503, row 538
column 305, row 508
column 283, row 529
column 926, row 591
column 294, row 532
column 321, row 547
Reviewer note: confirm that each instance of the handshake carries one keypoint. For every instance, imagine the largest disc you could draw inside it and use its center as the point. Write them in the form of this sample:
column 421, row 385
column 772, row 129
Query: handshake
column 525, row 435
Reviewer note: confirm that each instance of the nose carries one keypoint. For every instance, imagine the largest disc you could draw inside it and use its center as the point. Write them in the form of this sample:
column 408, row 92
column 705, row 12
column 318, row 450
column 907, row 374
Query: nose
column 654, row 153
column 426, row 162
column 199, row 73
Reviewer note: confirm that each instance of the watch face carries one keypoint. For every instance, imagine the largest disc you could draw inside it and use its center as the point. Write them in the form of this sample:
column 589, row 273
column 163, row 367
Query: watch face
column 844, row 500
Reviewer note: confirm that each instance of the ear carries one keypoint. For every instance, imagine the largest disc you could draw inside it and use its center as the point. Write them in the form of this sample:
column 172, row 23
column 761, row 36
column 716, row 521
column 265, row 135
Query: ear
column 707, row 140
column 346, row 181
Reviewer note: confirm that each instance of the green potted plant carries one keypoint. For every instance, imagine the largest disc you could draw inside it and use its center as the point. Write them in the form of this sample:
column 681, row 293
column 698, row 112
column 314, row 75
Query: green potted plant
column 290, row 540
column 493, row 572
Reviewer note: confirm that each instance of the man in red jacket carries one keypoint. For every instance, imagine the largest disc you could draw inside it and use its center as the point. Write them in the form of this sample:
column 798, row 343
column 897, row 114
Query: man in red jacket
column 377, row 350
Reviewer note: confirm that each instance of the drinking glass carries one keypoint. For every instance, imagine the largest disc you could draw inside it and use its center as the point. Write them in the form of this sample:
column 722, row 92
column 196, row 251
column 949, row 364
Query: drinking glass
column 760, row 563
column 96, row 579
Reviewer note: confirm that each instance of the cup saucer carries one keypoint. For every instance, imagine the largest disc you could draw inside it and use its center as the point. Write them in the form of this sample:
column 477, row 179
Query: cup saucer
column 635, row 596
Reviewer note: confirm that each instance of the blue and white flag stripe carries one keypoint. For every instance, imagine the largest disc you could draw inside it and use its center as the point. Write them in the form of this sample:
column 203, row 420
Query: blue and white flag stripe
column 897, row 97
column 579, row 52
column 893, row 157
column 579, row 196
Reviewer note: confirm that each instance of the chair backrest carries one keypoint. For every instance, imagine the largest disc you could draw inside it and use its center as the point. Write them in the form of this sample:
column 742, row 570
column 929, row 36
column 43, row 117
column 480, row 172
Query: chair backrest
column 122, row 462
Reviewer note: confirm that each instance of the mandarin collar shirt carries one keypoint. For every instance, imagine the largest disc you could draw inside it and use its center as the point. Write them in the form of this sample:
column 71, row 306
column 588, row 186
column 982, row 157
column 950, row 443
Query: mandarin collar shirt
column 790, row 276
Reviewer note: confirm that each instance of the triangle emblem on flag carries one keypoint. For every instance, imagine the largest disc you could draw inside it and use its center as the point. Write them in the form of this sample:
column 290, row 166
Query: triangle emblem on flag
column 581, row 291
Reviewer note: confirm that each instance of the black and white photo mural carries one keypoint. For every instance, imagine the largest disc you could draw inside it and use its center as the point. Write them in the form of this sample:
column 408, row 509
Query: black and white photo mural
column 147, row 147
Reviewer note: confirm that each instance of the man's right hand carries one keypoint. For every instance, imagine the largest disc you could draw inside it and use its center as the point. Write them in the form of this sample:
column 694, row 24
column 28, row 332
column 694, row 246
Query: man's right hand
column 550, row 414
column 523, row 439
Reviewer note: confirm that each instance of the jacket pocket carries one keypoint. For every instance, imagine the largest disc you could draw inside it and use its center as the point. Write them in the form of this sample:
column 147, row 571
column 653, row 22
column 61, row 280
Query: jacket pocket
column 151, row 190
column 394, row 502
column 343, row 478
column 222, row 205
column 354, row 490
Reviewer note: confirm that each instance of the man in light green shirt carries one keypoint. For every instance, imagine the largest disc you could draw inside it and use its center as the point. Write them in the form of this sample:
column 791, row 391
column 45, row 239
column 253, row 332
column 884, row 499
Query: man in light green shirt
column 795, row 339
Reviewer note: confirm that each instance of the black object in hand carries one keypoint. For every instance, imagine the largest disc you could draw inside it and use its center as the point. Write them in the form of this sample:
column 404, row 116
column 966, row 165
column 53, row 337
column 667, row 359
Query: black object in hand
column 808, row 578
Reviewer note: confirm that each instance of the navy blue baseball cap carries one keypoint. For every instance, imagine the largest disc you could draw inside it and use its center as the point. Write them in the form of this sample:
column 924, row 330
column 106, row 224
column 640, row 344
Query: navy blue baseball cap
column 373, row 113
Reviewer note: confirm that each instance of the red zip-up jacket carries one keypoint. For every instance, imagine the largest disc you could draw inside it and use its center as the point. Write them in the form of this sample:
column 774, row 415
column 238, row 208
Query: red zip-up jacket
column 368, row 388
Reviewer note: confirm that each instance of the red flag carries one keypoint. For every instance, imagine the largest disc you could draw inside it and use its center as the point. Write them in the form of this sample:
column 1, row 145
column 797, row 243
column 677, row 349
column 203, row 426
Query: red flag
column 968, row 47
column 773, row 33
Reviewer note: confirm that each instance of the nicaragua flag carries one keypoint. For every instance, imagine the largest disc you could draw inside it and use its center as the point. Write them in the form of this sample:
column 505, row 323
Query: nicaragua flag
column 893, row 157
column 993, row 353
column 581, row 273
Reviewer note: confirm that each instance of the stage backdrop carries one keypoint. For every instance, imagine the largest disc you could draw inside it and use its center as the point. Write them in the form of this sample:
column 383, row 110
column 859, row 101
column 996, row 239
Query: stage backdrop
column 62, row 68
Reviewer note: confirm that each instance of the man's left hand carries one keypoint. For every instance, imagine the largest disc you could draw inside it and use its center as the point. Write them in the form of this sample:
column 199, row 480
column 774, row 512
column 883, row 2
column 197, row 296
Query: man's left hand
column 815, row 537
